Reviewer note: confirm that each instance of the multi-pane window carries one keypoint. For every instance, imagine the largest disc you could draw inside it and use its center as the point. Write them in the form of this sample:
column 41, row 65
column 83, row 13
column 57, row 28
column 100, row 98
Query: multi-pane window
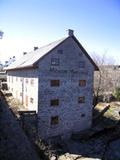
column 31, row 100
column 26, row 80
column 54, row 102
column 60, row 51
column 82, row 83
column 55, row 83
column 81, row 99
column 32, row 82
column 54, row 120
column 55, row 61
column 82, row 64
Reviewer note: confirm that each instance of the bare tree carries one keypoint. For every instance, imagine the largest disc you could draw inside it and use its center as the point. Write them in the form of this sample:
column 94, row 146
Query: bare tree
column 102, row 78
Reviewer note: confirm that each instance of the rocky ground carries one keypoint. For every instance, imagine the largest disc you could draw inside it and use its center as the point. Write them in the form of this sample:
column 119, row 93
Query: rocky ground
column 102, row 141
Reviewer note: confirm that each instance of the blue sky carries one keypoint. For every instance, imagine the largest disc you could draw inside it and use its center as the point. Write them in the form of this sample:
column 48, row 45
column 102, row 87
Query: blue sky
column 29, row 23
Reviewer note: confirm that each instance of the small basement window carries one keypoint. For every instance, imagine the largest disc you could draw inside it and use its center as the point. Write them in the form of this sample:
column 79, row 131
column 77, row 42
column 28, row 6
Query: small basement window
column 55, row 61
column 54, row 102
column 54, row 120
column 55, row 83
column 81, row 99
column 82, row 83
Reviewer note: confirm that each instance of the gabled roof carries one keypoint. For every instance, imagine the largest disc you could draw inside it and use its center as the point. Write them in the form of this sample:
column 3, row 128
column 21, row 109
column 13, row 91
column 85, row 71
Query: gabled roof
column 30, row 59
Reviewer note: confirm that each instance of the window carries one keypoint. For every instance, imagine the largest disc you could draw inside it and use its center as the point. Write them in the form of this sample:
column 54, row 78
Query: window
column 55, row 61
column 54, row 102
column 82, row 83
column 82, row 115
column 9, row 79
column 54, row 120
column 31, row 100
column 80, row 54
column 82, row 64
column 81, row 99
column 32, row 82
column 55, row 83
column 26, row 80
column 12, row 79
column 60, row 51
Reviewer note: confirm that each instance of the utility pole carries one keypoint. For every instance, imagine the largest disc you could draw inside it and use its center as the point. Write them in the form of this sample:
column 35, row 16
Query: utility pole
column 1, row 34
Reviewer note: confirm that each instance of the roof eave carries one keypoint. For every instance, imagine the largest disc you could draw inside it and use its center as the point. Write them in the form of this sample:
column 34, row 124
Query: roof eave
column 25, row 67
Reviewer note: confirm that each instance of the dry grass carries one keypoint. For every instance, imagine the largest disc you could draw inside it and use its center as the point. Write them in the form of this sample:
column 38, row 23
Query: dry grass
column 112, row 112
column 15, row 105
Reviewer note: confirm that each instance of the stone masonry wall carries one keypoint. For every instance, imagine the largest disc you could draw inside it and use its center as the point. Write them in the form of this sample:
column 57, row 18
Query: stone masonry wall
column 69, row 111
column 73, row 116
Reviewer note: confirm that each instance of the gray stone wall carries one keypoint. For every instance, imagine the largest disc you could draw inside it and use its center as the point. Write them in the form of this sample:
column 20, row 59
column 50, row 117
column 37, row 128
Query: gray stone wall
column 69, row 73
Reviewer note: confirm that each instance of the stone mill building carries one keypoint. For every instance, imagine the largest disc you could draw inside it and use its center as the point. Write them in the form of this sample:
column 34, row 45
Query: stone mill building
column 56, row 81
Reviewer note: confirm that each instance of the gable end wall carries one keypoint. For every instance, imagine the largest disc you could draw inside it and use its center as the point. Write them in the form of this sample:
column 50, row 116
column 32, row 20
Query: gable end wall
column 69, row 74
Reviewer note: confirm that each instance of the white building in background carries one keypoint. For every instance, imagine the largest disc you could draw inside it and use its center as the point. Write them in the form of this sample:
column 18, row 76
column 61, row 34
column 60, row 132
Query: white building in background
column 56, row 80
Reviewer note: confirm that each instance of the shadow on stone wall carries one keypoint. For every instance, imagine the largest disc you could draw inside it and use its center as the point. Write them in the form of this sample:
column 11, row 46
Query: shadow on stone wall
column 28, row 121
